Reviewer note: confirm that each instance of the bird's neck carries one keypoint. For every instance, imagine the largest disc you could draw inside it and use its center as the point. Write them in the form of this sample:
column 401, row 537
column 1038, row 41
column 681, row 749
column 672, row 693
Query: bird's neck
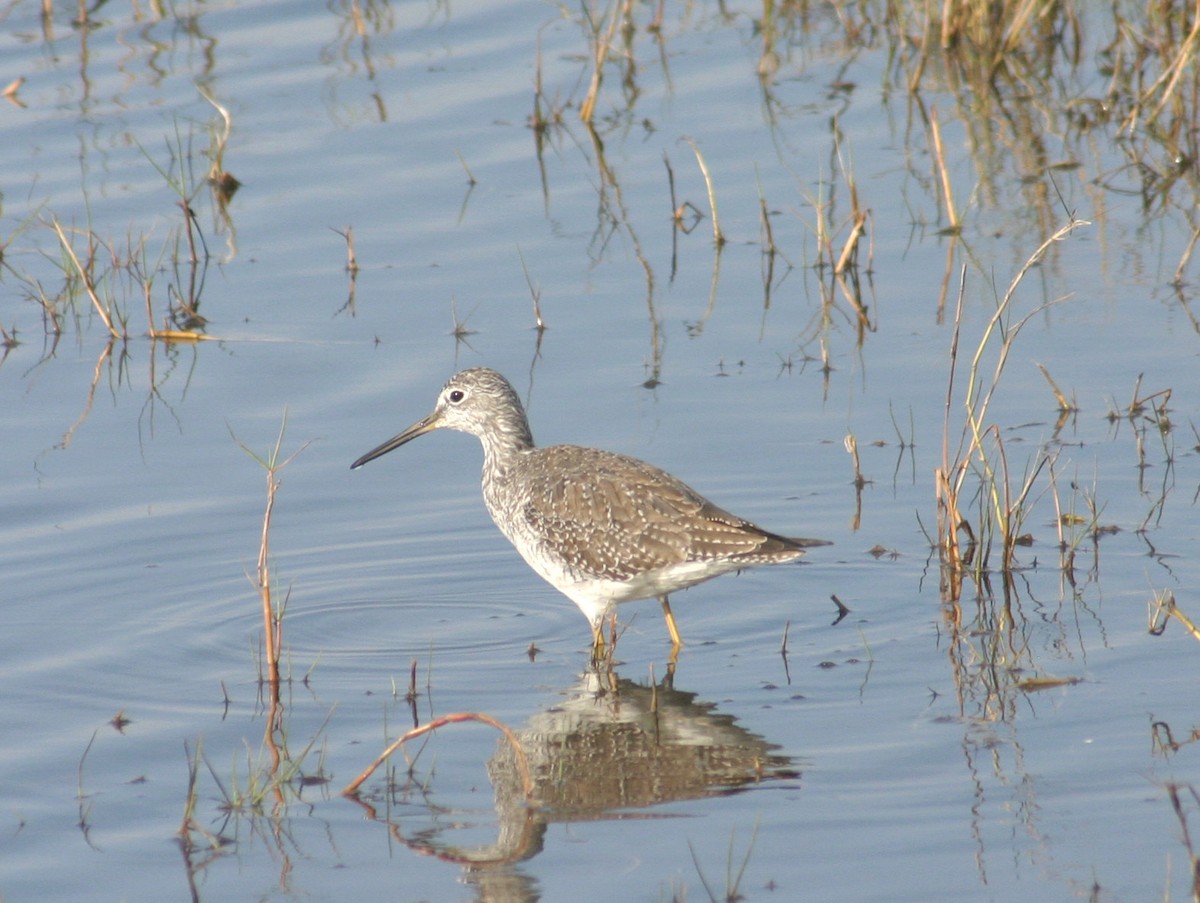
column 509, row 438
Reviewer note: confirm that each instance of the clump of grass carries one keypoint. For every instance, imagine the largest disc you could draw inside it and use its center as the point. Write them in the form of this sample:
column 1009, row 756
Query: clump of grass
column 1076, row 522
column 980, row 447
column 261, row 788
column 274, row 777
column 108, row 274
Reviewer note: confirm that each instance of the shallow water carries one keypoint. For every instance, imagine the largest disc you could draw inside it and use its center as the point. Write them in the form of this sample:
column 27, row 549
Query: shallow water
column 894, row 754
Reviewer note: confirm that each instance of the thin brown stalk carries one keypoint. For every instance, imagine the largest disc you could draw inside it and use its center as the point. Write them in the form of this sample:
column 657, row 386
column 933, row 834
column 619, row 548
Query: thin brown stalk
column 272, row 618
column 271, row 636
column 454, row 718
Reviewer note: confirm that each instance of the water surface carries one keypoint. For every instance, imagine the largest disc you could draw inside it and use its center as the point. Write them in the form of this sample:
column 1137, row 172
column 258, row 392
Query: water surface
column 900, row 753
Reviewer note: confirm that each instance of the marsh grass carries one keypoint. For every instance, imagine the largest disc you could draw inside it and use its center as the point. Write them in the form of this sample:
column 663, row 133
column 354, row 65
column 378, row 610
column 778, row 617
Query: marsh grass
column 1001, row 62
column 260, row 786
column 1013, row 70
column 109, row 275
column 266, row 778
column 272, row 464
column 1002, row 495
column 258, row 790
column 733, row 874
column 1076, row 519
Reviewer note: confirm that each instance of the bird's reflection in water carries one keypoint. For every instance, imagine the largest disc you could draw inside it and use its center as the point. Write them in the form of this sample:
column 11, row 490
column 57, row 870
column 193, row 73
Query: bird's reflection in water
column 610, row 749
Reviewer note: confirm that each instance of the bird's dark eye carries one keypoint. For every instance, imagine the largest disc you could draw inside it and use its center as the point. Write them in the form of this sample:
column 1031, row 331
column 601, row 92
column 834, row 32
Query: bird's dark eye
column 457, row 395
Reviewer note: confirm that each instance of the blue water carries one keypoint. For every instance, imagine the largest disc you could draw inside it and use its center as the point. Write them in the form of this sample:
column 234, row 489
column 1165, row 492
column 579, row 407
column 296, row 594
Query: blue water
column 916, row 768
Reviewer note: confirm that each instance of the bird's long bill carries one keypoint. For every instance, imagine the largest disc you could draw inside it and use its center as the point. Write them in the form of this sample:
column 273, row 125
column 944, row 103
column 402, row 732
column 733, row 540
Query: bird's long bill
column 419, row 428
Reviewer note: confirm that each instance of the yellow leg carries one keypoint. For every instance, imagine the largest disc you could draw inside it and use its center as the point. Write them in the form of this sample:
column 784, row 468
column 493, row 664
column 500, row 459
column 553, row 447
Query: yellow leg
column 676, row 642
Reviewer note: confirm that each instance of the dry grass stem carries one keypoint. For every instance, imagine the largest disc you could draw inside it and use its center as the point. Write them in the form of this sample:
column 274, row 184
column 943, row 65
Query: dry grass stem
column 718, row 235
column 603, row 45
column 84, row 275
column 1064, row 405
column 181, row 336
column 939, row 160
column 851, row 445
column 272, row 616
column 351, row 257
column 850, row 247
column 272, row 637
